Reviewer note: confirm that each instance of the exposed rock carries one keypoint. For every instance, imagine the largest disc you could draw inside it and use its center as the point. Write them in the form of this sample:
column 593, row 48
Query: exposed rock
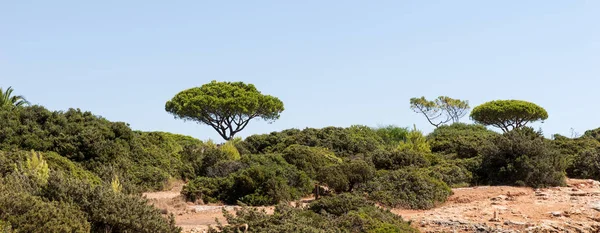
column 596, row 206
column 509, row 222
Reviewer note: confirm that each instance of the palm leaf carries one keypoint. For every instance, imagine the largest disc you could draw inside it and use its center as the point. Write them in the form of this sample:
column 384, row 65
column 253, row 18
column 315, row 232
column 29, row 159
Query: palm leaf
column 7, row 99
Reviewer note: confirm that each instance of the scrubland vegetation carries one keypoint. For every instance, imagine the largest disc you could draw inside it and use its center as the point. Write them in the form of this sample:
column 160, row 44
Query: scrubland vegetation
column 73, row 171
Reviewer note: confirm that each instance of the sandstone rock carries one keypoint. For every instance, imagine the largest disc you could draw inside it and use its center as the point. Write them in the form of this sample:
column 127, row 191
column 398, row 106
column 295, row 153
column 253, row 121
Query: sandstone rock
column 509, row 222
column 595, row 206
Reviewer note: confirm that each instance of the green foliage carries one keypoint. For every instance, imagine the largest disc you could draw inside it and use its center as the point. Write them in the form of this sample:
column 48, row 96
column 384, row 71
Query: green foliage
column 309, row 159
column 27, row 213
column 36, row 168
column 115, row 185
column 107, row 210
column 392, row 135
column 586, row 165
column 343, row 142
column 265, row 180
column 224, row 167
column 5, row 227
column 452, row 174
column 407, row 188
column 523, row 157
column 508, row 114
column 397, row 159
column 339, row 205
column 8, row 100
column 459, row 139
column 60, row 163
column 230, row 150
column 143, row 161
column 415, row 141
column 226, row 106
column 441, row 110
column 346, row 176
column 593, row 133
column 341, row 213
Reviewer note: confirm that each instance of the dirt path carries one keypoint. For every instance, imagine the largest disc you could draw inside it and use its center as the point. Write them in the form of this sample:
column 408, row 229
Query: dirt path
column 189, row 216
column 575, row 208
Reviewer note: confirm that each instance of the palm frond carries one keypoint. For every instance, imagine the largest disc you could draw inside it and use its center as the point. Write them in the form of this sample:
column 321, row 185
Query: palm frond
column 7, row 99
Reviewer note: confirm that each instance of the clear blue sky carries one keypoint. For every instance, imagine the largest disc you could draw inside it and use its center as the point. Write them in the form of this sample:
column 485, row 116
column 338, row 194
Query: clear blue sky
column 333, row 63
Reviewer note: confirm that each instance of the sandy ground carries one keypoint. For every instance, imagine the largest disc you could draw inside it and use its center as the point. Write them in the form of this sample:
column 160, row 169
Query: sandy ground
column 575, row 208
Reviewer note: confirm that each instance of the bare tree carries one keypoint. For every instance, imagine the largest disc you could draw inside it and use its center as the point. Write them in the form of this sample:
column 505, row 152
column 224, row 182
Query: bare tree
column 441, row 110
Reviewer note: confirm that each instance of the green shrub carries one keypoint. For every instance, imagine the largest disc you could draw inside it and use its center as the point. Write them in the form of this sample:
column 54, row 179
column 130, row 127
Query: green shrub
column 460, row 139
column 415, row 141
column 523, row 157
column 339, row 204
column 324, row 215
column 27, row 213
column 392, row 135
column 107, row 210
column 224, row 168
column 57, row 162
column 309, row 159
column 264, row 180
column 342, row 141
column 230, row 151
column 397, row 159
column 96, row 143
column 412, row 189
column 346, row 176
column 451, row 174
column 586, row 165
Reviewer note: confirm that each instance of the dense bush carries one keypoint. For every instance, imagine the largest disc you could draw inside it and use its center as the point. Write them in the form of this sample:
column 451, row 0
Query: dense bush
column 586, row 165
column 342, row 141
column 264, row 180
column 9, row 161
column 392, row 135
column 523, row 157
column 144, row 160
column 451, row 174
column 64, row 204
column 397, row 159
column 407, row 188
column 342, row 213
column 346, row 176
column 106, row 210
column 27, row 213
column 309, row 159
column 459, row 139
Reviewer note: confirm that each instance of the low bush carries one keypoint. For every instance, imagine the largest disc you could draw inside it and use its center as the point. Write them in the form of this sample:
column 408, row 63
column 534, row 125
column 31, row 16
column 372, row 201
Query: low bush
column 106, row 210
column 324, row 215
column 586, row 165
column 144, row 159
column 460, row 139
column 523, row 157
column 397, row 159
column 309, row 159
column 408, row 188
column 343, row 142
column 451, row 174
column 264, row 180
column 346, row 176
column 27, row 213
column 392, row 135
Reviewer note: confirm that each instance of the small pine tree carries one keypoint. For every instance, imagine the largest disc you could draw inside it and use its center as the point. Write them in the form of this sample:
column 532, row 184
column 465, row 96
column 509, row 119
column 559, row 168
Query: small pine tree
column 115, row 184
column 415, row 141
column 230, row 150
column 37, row 168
